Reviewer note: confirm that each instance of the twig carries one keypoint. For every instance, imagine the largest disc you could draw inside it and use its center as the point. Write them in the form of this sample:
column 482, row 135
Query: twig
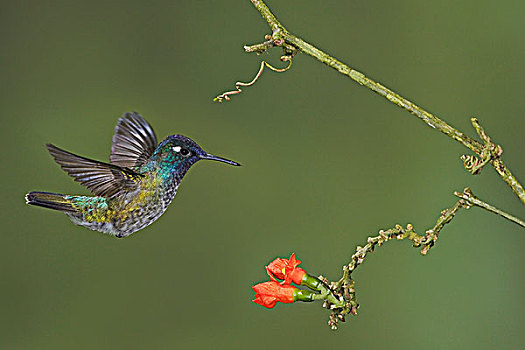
column 472, row 200
column 345, row 287
column 282, row 37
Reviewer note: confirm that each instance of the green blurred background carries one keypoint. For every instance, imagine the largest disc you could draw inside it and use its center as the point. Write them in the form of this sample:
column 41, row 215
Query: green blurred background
column 326, row 164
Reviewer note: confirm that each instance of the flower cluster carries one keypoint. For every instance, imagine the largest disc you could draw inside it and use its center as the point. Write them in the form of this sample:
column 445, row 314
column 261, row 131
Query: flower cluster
column 269, row 293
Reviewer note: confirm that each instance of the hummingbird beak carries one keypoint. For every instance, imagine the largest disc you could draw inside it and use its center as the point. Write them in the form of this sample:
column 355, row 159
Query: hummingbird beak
column 219, row 159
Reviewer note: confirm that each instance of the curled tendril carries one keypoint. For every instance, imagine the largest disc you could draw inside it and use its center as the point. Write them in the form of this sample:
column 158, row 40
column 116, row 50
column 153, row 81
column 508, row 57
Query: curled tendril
column 239, row 84
column 472, row 163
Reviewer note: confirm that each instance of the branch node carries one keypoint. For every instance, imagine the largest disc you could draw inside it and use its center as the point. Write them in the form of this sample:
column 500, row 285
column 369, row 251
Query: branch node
column 489, row 151
column 468, row 200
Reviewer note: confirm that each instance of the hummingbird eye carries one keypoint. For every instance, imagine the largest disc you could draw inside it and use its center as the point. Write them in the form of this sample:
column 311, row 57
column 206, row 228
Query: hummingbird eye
column 184, row 152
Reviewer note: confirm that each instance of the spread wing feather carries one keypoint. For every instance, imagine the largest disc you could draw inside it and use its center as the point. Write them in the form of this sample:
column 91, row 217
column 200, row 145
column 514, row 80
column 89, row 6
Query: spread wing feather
column 134, row 141
column 100, row 178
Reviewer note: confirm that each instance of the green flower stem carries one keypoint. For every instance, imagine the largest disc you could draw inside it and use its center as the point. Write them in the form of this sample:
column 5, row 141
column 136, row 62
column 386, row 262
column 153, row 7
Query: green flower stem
column 312, row 282
column 325, row 293
column 319, row 286
column 290, row 42
column 303, row 295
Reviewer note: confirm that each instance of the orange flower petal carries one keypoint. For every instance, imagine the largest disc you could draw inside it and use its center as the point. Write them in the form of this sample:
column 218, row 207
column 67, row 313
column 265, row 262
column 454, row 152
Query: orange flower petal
column 269, row 293
column 286, row 270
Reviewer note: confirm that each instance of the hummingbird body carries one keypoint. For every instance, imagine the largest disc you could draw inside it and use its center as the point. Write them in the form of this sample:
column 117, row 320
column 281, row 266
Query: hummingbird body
column 131, row 191
column 125, row 214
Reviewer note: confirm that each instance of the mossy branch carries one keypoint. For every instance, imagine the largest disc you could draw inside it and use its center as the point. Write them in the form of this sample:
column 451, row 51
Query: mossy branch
column 291, row 44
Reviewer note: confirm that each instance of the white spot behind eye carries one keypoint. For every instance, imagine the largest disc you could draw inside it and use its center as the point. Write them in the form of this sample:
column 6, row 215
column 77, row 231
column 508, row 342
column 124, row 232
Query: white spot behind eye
column 176, row 148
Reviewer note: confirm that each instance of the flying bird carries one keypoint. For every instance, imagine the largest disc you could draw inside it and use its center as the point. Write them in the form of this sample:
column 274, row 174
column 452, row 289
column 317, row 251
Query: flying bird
column 134, row 188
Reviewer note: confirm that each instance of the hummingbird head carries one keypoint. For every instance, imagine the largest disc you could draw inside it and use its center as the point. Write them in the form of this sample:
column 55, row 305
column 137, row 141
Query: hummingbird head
column 177, row 153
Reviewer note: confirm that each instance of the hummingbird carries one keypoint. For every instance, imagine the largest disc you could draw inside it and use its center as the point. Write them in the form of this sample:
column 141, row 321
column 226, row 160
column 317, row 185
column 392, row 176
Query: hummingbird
column 134, row 188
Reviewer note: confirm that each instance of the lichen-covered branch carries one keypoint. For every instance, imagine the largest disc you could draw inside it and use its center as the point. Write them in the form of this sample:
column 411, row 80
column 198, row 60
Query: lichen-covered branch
column 289, row 42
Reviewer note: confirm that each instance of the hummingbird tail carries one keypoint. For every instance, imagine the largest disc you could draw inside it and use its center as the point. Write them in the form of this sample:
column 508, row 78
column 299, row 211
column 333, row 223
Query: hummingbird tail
column 50, row 200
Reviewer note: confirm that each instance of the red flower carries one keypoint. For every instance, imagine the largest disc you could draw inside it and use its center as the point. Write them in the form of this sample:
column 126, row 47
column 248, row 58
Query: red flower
column 286, row 270
column 269, row 293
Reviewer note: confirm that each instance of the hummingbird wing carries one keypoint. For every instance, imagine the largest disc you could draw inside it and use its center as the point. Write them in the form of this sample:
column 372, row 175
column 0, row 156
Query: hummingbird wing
column 134, row 141
column 101, row 179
